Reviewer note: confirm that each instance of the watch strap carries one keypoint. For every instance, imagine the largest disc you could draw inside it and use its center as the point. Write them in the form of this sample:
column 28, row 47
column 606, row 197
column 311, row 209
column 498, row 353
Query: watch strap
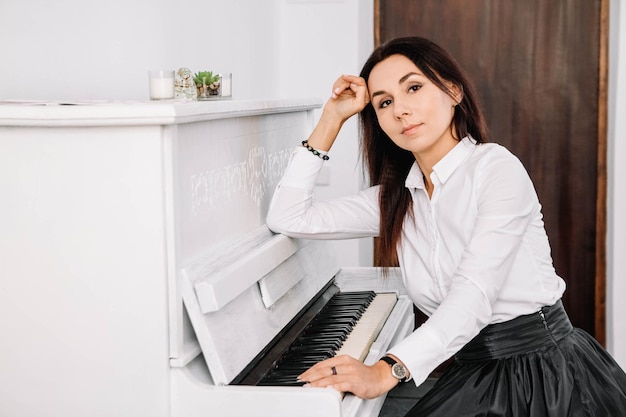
column 391, row 361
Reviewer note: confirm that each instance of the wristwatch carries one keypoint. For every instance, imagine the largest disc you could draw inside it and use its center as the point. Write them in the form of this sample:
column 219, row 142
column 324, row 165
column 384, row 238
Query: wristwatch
column 397, row 369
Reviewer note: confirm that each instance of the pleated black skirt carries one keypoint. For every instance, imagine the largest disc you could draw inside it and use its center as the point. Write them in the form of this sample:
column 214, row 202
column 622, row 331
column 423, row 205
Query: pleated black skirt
column 533, row 366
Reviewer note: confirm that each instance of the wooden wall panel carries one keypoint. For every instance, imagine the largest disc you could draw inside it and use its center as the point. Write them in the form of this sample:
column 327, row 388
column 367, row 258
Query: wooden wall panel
column 537, row 67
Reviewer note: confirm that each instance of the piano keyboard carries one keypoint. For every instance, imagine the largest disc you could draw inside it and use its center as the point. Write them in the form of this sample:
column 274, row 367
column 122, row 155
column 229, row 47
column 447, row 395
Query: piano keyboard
column 367, row 328
column 347, row 325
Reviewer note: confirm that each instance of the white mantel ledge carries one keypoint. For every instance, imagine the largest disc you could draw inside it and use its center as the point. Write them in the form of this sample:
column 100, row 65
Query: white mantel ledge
column 128, row 113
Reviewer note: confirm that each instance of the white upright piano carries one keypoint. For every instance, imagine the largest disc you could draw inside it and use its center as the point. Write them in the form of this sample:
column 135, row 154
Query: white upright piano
column 137, row 276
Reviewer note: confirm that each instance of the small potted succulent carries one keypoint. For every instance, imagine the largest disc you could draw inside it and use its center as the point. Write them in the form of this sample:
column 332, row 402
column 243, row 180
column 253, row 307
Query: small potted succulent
column 207, row 84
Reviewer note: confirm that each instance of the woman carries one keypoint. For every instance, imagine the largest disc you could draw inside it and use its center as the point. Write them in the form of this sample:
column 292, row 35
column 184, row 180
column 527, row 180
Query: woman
column 462, row 219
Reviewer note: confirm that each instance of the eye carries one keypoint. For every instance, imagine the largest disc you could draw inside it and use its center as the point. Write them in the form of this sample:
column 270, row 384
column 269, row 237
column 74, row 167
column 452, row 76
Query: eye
column 384, row 103
column 415, row 87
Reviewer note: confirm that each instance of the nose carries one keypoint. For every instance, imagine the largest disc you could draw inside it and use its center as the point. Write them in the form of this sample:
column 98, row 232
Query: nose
column 401, row 109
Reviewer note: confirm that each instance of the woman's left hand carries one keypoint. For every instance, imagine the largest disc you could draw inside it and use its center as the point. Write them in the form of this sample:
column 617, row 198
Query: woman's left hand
column 351, row 375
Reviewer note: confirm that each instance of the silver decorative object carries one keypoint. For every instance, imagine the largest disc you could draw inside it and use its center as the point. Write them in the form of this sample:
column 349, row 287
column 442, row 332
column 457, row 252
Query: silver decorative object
column 184, row 87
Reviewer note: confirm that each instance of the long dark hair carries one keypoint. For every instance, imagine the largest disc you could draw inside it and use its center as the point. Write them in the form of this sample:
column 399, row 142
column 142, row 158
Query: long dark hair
column 387, row 164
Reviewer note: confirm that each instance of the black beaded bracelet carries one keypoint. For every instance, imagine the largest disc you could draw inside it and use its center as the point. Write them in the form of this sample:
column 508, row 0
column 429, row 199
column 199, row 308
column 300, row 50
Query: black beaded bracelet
column 315, row 151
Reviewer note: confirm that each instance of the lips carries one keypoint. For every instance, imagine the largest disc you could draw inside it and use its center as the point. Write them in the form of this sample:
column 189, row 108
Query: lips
column 410, row 129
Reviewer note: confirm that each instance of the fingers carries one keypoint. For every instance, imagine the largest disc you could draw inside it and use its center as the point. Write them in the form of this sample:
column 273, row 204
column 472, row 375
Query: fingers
column 350, row 86
column 341, row 85
column 349, row 96
column 344, row 374
column 342, row 365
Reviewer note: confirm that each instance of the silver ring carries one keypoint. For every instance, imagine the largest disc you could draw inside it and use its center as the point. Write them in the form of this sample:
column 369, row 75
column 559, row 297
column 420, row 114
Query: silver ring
column 333, row 370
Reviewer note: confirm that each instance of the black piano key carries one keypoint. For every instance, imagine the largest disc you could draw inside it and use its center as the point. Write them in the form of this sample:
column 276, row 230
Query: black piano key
column 321, row 337
column 300, row 364
column 304, row 350
column 287, row 381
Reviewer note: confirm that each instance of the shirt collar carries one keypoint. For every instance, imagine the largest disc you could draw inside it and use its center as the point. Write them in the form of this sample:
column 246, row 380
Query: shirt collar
column 445, row 167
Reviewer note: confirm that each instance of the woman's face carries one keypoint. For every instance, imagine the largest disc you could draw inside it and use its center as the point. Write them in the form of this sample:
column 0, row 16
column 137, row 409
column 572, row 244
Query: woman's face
column 411, row 110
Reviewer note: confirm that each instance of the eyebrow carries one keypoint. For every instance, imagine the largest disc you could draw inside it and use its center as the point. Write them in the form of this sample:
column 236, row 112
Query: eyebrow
column 400, row 81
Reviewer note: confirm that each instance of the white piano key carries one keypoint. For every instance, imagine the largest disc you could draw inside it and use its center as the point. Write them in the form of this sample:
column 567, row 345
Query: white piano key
column 369, row 325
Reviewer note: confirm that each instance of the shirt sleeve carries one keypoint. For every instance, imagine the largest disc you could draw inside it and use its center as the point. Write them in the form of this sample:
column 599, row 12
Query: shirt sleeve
column 506, row 205
column 294, row 212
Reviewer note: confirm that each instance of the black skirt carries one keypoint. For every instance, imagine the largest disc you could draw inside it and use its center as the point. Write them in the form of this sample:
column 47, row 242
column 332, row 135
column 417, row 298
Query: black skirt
column 533, row 366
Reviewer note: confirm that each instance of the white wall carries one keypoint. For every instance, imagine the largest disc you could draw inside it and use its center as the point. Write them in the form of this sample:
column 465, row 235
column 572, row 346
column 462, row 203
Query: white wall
column 83, row 50
column 88, row 50
column 68, row 50
column 318, row 44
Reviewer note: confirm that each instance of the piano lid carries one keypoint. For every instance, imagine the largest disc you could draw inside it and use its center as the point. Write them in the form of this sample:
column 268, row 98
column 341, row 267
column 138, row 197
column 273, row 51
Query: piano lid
column 226, row 295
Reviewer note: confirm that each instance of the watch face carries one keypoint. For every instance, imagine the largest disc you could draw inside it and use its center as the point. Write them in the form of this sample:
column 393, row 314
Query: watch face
column 398, row 371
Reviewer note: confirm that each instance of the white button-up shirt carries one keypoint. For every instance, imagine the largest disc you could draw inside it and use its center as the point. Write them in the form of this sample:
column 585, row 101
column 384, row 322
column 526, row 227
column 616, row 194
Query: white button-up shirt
column 473, row 254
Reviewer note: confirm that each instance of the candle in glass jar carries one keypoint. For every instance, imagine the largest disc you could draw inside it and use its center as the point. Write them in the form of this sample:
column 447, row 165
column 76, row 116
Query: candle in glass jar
column 161, row 84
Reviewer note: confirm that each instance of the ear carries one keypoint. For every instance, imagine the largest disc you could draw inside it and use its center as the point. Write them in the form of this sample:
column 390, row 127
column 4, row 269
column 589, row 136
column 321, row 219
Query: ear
column 456, row 92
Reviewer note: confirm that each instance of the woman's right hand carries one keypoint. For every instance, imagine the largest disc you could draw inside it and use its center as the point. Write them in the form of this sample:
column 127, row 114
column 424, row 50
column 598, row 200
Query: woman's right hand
column 349, row 97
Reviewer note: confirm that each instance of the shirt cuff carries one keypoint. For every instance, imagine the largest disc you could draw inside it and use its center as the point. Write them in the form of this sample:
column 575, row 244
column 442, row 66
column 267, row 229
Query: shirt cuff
column 302, row 170
column 420, row 364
